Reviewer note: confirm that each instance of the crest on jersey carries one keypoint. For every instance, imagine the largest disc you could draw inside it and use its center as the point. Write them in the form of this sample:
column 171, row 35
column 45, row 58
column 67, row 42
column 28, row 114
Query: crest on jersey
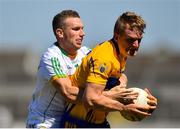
column 102, row 68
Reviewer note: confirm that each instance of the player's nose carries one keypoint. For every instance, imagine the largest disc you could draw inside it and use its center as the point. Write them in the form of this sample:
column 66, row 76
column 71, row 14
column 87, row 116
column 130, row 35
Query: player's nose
column 136, row 44
column 82, row 33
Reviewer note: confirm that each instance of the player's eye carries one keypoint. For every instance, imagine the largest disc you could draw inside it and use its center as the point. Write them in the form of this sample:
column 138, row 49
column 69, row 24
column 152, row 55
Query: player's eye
column 139, row 40
column 132, row 40
column 76, row 28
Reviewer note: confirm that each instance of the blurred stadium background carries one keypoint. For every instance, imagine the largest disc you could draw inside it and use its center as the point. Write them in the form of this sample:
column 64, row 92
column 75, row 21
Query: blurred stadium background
column 25, row 32
column 158, row 71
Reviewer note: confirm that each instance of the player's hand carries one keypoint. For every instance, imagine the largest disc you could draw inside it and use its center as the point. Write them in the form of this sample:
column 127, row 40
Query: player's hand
column 122, row 94
column 152, row 101
column 123, row 80
column 137, row 109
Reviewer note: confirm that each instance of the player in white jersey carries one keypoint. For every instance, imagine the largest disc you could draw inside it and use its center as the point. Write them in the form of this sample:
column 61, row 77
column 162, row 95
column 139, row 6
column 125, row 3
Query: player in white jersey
column 47, row 104
column 59, row 61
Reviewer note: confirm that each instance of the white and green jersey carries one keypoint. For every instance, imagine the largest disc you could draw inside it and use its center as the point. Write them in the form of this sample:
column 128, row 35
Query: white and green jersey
column 47, row 105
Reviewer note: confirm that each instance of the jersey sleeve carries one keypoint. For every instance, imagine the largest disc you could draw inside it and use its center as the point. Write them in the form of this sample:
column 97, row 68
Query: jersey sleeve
column 51, row 68
column 99, row 70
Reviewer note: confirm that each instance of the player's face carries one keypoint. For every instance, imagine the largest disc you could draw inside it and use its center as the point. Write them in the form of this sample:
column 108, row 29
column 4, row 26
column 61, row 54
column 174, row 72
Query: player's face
column 130, row 42
column 73, row 33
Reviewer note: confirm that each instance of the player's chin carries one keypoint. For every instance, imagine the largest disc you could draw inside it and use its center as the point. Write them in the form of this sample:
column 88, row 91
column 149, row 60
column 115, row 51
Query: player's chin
column 78, row 45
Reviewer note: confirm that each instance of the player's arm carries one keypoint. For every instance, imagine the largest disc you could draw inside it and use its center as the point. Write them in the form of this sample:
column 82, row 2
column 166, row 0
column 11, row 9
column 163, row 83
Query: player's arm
column 53, row 71
column 74, row 94
column 93, row 97
column 65, row 87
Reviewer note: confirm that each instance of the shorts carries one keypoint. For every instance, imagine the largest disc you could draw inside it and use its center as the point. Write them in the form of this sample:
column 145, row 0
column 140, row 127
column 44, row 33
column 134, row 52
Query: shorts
column 71, row 122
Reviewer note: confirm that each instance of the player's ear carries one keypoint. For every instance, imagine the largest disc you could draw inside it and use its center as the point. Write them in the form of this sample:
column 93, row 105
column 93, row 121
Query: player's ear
column 59, row 33
column 116, row 37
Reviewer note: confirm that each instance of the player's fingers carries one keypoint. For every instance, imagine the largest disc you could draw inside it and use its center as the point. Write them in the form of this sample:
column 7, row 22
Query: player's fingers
column 129, row 95
column 148, row 109
column 152, row 102
column 122, row 85
column 152, row 98
column 130, row 91
column 145, row 113
column 126, row 101
column 123, row 79
column 132, row 94
column 123, row 91
column 143, row 108
column 148, row 91
column 152, row 107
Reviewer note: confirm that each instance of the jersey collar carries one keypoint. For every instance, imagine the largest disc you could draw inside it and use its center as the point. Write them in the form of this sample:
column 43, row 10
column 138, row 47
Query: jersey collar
column 64, row 52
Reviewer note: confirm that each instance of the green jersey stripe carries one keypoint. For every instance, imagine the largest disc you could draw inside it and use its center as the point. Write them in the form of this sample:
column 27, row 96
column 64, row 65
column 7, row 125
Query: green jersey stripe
column 57, row 68
column 54, row 65
column 57, row 65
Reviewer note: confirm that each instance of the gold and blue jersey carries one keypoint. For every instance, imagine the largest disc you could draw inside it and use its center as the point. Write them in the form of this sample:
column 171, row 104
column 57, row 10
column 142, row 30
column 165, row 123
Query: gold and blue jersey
column 99, row 66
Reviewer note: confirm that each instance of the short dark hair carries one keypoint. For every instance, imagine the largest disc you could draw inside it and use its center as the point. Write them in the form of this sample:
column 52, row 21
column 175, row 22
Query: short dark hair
column 130, row 18
column 58, row 20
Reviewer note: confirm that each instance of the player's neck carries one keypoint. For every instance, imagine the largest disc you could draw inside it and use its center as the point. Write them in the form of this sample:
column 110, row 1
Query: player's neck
column 68, row 52
column 73, row 56
column 122, row 57
column 71, row 53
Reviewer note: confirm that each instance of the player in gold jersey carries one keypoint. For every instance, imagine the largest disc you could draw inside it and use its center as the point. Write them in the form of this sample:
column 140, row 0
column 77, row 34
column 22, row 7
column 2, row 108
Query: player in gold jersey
column 101, row 70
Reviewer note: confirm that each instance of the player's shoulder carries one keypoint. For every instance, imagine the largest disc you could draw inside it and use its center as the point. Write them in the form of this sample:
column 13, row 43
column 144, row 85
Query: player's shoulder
column 103, row 49
column 51, row 51
column 104, row 46
column 84, row 49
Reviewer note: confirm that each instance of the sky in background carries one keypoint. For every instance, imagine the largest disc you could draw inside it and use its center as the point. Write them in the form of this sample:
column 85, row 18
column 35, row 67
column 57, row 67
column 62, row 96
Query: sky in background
column 26, row 24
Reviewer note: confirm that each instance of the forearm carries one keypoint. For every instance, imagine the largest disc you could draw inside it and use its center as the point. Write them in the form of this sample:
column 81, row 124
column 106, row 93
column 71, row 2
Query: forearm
column 94, row 97
column 64, row 86
column 71, row 93
column 74, row 94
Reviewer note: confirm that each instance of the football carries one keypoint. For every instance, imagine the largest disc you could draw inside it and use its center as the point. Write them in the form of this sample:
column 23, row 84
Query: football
column 141, row 100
